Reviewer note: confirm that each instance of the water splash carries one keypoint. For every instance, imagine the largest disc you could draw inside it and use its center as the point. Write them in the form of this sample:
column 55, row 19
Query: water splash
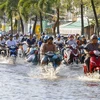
column 38, row 72
column 91, row 77
column 3, row 60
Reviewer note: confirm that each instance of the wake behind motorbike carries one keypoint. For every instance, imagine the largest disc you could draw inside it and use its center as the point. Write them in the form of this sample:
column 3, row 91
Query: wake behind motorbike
column 94, row 65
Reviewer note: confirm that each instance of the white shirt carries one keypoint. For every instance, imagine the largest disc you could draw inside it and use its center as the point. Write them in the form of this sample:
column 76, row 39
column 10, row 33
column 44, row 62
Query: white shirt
column 70, row 42
column 11, row 43
column 59, row 42
column 2, row 41
column 17, row 40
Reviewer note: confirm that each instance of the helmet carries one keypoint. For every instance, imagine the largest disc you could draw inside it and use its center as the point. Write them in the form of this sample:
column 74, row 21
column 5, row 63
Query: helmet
column 93, row 37
column 10, row 35
column 50, row 38
column 43, row 33
column 45, row 37
column 58, row 36
column 82, row 36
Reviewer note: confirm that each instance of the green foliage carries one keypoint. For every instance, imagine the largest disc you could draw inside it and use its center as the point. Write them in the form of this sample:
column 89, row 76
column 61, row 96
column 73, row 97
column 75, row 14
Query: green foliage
column 30, row 8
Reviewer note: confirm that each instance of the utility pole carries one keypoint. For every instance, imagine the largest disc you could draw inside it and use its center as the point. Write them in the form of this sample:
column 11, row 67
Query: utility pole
column 82, row 19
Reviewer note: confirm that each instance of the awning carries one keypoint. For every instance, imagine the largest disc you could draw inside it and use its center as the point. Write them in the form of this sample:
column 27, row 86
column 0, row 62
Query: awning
column 72, row 28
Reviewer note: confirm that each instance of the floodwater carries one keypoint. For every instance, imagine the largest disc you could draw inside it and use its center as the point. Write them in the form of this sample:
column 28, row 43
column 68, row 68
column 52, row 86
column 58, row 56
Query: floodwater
column 24, row 81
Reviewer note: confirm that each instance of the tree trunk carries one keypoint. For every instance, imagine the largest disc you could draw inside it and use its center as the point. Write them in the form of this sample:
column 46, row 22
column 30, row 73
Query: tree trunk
column 57, row 20
column 15, row 25
column 11, row 24
column 22, row 25
column 54, row 28
column 96, row 19
column 34, row 27
column 56, row 23
column 82, row 19
column 21, row 21
column 41, row 27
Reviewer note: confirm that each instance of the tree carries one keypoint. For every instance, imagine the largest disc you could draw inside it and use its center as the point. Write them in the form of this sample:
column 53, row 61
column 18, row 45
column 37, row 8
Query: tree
column 96, row 19
column 56, row 6
column 29, row 10
column 10, row 7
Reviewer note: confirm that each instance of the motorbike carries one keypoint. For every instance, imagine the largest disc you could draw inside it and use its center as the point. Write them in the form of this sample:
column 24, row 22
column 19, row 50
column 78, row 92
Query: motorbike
column 13, row 53
column 53, row 59
column 94, row 63
column 71, row 54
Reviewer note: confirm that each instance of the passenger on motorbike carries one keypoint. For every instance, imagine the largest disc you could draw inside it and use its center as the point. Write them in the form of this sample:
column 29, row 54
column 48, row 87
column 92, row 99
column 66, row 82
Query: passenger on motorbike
column 89, row 48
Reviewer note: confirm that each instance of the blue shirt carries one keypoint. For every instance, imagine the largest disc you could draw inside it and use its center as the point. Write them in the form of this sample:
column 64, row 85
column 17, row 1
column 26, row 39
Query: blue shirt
column 39, row 43
column 31, row 42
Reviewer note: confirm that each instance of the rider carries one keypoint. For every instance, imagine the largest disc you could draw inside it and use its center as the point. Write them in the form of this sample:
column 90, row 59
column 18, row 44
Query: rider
column 89, row 48
column 11, row 42
column 71, row 40
column 31, row 41
column 59, row 42
column 83, row 40
column 72, row 44
column 46, row 47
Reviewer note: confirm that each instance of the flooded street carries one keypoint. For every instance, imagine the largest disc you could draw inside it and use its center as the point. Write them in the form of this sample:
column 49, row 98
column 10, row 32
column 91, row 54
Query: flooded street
column 25, row 81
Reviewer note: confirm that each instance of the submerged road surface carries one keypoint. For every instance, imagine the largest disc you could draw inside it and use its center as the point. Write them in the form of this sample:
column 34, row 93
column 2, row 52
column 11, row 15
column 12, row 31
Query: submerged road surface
column 25, row 81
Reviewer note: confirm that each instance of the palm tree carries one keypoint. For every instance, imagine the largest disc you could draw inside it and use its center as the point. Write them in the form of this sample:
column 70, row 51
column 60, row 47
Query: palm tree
column 55, row 6
column 10, row 7
column 29, row 9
